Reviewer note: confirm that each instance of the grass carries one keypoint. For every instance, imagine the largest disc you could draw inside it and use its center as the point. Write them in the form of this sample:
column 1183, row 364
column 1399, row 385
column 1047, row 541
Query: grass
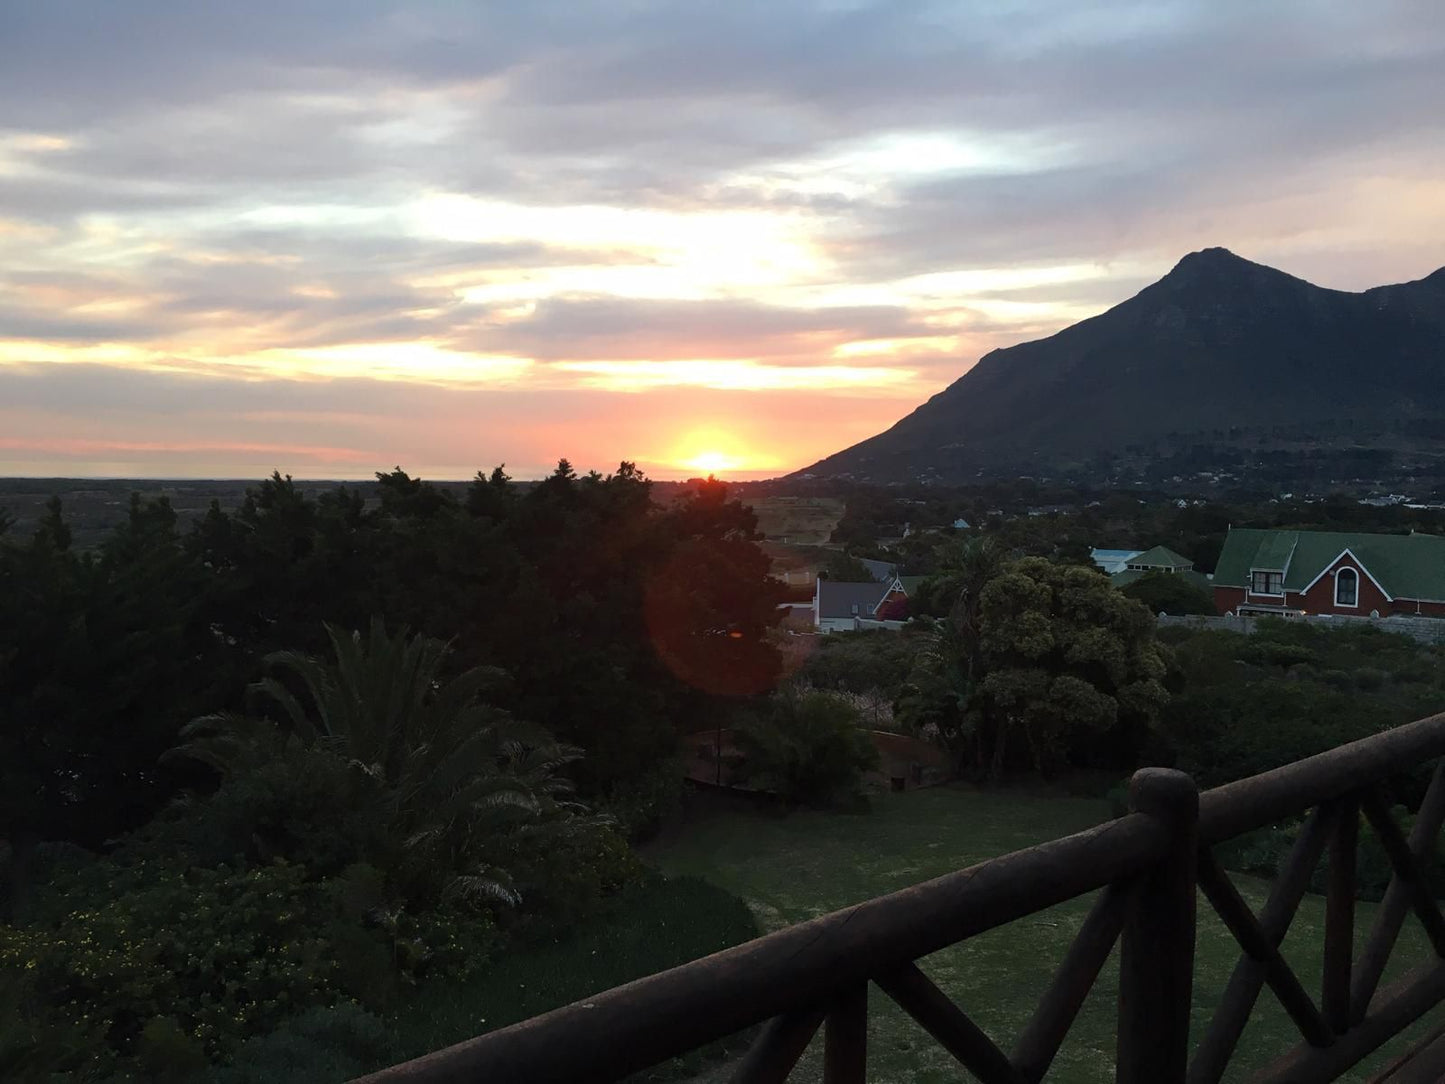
column 794, row 868
column 649, row 927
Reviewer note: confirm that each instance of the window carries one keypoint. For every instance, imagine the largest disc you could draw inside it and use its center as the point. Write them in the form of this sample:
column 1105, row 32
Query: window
column 1266, row 583
column 1347, row 587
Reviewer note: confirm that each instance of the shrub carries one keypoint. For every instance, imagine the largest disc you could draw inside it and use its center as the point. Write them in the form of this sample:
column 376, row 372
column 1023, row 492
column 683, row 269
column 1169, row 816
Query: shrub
column 1266, row 850
column 166, row 966
column 1171, row 593
column 641, row 804
column 36, row 1044
column 306, row 806
column 1368, row 679
column 808, row 749
column 564, row 869
column 321, row 1045
column 223, row 954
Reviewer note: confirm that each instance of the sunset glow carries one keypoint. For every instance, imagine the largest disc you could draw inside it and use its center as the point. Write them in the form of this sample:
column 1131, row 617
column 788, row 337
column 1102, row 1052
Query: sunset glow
column 709, row 241
column 713, row 463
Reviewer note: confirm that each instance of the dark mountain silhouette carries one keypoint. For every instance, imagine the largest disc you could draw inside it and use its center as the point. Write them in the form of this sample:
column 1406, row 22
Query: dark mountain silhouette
column 1220, row 353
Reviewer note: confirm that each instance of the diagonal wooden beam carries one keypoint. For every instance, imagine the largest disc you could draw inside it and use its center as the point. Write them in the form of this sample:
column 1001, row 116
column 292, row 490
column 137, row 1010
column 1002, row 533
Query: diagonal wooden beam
column 1340, row 917
column 1212, row 1056
column 921, row 999
column 1407, row 868
column 1077, row 973
column 1391, row 913
column 1398, row 1006
column 771, row 1058
column 1260, row 946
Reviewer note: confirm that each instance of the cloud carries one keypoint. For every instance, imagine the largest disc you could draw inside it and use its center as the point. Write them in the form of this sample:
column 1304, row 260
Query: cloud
column 79, row 419
column 614, row 328
column 538, row 204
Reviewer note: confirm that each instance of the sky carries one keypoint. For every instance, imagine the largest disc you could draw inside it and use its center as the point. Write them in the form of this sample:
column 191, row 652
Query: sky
column 334, row 236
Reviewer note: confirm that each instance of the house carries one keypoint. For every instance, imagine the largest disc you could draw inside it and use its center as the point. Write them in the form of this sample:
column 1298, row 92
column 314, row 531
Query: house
column 1158, row 559
column 1112, row 561
column 1330, row 572
column 882, row 571
column 839, row 606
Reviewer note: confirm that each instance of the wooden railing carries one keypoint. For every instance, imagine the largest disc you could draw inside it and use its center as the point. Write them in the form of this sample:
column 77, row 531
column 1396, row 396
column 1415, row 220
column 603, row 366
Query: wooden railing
column 1146, row 866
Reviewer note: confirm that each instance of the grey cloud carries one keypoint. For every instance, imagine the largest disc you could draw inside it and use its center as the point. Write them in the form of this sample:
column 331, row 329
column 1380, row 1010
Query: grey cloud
column 618, row 328
column 1168, row 126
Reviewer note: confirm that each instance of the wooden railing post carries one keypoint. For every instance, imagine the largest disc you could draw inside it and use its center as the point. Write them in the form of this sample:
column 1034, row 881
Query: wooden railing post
column 845, row 1038
column 1156, row 966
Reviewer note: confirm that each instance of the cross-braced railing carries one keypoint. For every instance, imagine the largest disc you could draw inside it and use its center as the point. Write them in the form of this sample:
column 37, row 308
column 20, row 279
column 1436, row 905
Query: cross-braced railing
column 1147, row 867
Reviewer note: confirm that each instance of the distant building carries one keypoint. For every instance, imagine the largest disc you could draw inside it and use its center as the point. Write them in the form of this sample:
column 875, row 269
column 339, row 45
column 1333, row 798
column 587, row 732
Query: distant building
column 1158, row 559
column 1330, row 572
column 881, row 571
column 842, row 607
column 1112, row 561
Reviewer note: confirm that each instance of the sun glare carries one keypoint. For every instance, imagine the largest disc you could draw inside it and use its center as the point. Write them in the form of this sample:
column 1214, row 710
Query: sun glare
column 713, row 462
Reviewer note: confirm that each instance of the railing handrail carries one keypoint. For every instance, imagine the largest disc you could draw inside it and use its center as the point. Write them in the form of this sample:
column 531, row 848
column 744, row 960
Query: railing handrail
column 1259, row 800
column 630, row 1027
column 660, row 1016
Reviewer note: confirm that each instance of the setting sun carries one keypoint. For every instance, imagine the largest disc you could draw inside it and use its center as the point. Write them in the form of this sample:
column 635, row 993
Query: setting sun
column 714, row 462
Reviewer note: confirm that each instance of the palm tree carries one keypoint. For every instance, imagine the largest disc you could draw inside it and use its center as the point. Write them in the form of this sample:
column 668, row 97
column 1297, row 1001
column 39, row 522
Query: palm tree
column 451, row 777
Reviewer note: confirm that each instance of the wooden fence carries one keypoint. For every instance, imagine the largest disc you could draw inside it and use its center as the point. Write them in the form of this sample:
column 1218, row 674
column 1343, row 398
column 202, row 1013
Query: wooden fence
column 1147, row 868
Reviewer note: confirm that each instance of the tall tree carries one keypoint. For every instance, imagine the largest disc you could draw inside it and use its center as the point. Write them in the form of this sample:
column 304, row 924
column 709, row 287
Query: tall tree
column 1071, row 666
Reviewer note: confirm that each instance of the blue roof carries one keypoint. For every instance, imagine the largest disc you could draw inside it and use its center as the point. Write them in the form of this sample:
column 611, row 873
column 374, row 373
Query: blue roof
column 1113, row 555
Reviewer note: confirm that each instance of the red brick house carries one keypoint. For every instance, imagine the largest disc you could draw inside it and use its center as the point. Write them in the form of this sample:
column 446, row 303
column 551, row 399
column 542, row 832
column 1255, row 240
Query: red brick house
column 1330, row 572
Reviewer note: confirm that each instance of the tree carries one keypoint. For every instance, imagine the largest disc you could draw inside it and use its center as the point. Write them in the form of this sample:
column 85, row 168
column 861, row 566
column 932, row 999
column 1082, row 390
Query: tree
column 808, row 748
column 946, row 671
column 449, row 776
column 1170, row 593
column 709, row 607
column 845, row 568
column 1071, row 666
column 103, row 656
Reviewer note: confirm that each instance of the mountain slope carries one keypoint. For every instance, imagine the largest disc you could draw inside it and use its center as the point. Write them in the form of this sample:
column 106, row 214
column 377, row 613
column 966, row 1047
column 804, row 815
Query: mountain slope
column 1220, row 350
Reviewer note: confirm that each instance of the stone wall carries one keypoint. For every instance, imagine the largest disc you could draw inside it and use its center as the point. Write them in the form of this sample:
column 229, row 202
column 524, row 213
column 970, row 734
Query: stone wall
column 1427, row 630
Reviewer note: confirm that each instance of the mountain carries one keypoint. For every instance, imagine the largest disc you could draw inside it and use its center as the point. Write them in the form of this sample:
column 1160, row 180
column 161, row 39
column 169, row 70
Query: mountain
column 1220, row 361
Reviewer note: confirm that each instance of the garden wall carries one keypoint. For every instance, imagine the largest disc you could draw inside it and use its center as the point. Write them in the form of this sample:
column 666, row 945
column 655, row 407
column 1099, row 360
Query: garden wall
column 1427, row 630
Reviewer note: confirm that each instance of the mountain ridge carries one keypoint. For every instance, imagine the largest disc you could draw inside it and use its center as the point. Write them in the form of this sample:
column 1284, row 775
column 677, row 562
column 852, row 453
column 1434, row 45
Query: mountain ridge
column 1218, row 349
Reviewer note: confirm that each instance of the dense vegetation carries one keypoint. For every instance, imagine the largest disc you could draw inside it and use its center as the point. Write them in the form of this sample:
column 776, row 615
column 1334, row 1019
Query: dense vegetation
column 313, row 755
column 314, row 780
column 1034, row 519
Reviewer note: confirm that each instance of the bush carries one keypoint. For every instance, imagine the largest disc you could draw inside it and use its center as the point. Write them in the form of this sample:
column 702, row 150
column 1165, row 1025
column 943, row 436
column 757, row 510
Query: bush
column 860, row 662
column 641, row 804
column 1171, row 593
column 1368, row 679
column 564, row 869
column 808, row 750
column 221, row 954
column 165, row 966
column 306, row 806
column 1266, row 850
column 34, row 1043
column 321, row 1045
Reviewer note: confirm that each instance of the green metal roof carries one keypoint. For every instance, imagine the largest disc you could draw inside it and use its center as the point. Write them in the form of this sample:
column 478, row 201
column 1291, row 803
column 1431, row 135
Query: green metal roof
column 1161, row 557
column 1275, row 550
column 911, row 584
column 1406, row 565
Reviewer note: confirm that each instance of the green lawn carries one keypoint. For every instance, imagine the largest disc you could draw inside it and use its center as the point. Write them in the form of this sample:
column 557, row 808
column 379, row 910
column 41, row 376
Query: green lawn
column 792, row 868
